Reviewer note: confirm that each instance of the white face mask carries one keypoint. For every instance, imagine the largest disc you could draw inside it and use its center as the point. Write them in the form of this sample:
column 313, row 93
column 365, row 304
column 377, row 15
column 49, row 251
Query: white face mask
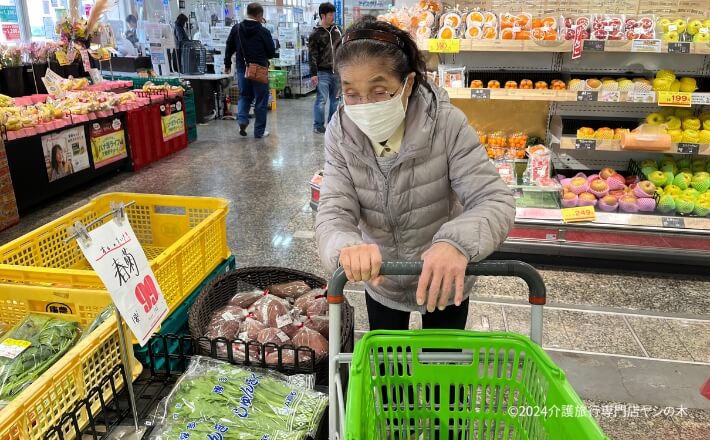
column 378, row 120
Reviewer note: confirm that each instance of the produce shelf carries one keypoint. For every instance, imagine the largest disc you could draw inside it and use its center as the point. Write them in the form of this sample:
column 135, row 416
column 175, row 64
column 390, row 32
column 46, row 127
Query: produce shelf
column 615, row 236
column 572, row 143
column 562, row 96
column 625, row 46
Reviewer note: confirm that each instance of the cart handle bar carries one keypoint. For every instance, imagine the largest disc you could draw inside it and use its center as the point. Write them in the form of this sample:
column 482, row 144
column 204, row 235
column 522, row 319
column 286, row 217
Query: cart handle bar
column 505, row 268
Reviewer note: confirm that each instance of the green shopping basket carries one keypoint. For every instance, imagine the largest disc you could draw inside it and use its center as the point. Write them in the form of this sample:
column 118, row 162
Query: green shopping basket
column 405, row 385
column 277, row 79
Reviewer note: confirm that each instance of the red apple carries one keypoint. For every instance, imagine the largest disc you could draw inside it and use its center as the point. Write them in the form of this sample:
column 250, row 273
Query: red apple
column 616, row 35
column 600, row 34
column 569, row 34
column 616, row 22
column 647, row 36
column 630, row 35
column 647, row 23
column 598, row 25
column 607, row 172
column 647, row 187
column 631, row 23
column 585, row 35
column 569, row 22
column 583, row 21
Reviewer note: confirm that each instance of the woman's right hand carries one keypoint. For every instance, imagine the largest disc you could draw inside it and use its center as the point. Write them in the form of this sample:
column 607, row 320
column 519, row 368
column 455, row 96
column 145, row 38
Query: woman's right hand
column 362, row 263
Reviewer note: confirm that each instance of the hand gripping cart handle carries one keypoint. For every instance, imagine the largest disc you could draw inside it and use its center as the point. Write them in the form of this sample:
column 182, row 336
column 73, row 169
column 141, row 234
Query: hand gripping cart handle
column 536, row 297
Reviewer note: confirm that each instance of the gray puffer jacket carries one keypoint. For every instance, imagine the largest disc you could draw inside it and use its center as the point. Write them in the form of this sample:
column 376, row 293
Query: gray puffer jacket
column 442, row 188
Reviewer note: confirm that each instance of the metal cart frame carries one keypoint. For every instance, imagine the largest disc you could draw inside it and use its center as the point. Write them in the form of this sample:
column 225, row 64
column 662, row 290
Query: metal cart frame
column 336, row 408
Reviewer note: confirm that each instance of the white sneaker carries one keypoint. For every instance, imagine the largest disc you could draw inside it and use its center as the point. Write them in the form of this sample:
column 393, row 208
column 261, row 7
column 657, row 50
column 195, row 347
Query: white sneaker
column 266, row 134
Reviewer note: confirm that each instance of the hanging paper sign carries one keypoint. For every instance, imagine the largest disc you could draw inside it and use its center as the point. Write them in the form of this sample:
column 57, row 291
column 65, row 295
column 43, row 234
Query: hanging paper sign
column 8, row 13
column 11, row 32
column 172, row 120
column 116, row 255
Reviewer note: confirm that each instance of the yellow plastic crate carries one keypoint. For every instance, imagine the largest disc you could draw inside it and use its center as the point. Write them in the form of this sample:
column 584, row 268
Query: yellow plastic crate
column 41, row 406
column 185, row 238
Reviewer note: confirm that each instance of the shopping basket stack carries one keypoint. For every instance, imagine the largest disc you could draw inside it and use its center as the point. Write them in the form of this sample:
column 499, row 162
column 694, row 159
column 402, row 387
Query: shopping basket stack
column 184, row 239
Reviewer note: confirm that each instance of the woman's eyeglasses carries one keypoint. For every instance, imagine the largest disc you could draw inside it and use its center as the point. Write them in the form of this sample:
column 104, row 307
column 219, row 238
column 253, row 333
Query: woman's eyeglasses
column 379, row 96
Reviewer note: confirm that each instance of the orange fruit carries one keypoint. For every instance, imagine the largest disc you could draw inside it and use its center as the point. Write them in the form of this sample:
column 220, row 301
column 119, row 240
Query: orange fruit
column 489, row 18
column 541, row 85
column 550, row 36
column 489, row 33
column 476, row 84
column 507, row 34
column 511, row 85
column 522, row 20
column 475, row 17
column 493, row 84
column 522, row 35
column 536, row 23
column 446, row 33
column 549, row 22
column 537, row 34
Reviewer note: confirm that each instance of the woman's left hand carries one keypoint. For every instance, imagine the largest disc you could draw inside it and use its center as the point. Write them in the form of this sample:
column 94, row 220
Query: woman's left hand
column 444, row 266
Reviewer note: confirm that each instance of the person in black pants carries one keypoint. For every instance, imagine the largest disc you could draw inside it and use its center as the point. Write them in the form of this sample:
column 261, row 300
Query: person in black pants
column 250, row 42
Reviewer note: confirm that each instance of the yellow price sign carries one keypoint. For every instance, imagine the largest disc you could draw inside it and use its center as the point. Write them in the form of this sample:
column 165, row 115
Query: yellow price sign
column 438, row 45
column 675, row 99
column 579, row 214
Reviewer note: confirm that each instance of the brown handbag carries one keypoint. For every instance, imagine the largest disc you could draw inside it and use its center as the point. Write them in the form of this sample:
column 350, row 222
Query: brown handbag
column 253, row 72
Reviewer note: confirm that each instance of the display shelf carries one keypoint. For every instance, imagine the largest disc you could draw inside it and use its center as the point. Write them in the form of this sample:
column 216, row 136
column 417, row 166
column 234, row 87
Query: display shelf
column 573, row 143
column 625, row 46
column 613, row 236
column 563, row 96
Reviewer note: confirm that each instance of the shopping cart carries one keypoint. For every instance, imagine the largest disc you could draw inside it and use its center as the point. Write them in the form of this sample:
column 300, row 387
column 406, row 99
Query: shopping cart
column 405, row 385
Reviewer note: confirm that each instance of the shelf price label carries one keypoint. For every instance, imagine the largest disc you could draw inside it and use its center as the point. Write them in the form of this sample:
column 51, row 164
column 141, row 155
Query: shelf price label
column 700, row 99
column 610, row 96
column 675, row 99
column 578, row 214
column 585, row 144
column 587, row 95
column 688, row 148
column 480, row 94
column 652, row 46
column 437, row 45
column 679, row 47
column 594, row 45
column 673, row 222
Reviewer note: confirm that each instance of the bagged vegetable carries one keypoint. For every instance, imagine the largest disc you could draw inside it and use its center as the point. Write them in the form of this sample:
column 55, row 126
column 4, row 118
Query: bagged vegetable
column 293, row 289
column 318, row 306
column 225, row 322
column 100, row 319
column 307, row 337
column 30, row 348
column 272, row 311
column 216, row 400
column 304, row 302
column 319, row 324
column 250, row 328
column 246, row 299
column 272, row 336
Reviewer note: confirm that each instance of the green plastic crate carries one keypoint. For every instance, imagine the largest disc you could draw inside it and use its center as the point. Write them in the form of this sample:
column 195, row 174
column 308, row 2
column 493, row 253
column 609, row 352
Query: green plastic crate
column 176, row 324
column 192, row 134
column 278, row 79
column 510, row 388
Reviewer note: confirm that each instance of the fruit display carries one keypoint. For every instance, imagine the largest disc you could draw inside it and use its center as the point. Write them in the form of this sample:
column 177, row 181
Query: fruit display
column 608, row 27
column 682, row 125
column 608, row 191
column 640, row 28
column 601, row 133
column 481, row 25
column 525, row 84
column 27, row 120
column 680, row 185
column 666, row 80
column 570, row 23
column 621, row 84
column 673, row 29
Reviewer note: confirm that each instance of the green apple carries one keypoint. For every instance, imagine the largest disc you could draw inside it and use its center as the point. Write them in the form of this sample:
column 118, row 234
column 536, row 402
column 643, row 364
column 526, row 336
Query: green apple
column 671, row 37
column 658, row 178
column 672, row 190
column 663, row 23
column 681, row 25
column 673, row 122
column 694, row 26
column 682, row 181
column 706, row 124
column 692, row 193
column 691, row 124
column 670, row 168
column 684, row 164
column 701, row 38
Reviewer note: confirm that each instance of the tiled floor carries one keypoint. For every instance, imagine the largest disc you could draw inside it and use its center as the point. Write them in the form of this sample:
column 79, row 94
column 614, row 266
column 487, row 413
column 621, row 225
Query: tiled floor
column 631, row 338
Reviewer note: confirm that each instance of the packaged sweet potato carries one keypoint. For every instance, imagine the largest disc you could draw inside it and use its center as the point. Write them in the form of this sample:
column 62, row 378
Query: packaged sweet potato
column 272, row 336
column 307, row 337
column 304, row 302
column 246, row 299
column 225, row 322
column 319, row 324
column 272, row 311
column 250, row 328
column 293, row 289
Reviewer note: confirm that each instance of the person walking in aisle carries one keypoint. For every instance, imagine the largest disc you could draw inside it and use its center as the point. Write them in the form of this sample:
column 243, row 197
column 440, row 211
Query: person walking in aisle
column 252, row 43
column 181, row 35
column 405, row 178
column 322, row 45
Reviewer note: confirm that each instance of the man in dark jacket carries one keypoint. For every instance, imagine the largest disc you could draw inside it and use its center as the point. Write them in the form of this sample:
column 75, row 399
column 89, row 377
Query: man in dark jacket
column 252, row 43
column 322, row 44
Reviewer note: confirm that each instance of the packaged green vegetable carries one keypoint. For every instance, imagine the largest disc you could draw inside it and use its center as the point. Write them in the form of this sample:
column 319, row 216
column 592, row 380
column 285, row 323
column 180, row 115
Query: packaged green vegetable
column 30, row 348
column 214, row 400
column 98, row 320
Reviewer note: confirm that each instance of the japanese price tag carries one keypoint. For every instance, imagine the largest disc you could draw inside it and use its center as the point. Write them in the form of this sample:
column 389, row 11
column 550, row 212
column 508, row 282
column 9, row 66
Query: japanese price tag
column 579, row 214
column 675, row 99
column 11, row 348
column 444, row 45
column 117, row 257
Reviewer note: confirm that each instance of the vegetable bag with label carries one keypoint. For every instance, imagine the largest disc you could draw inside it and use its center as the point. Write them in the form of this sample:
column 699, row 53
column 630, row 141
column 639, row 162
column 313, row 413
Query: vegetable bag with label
column 217, row 400
column 30, row 348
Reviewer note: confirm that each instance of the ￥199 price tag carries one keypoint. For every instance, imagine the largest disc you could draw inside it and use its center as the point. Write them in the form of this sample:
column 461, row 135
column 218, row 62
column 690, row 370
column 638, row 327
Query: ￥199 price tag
column 118, row 258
